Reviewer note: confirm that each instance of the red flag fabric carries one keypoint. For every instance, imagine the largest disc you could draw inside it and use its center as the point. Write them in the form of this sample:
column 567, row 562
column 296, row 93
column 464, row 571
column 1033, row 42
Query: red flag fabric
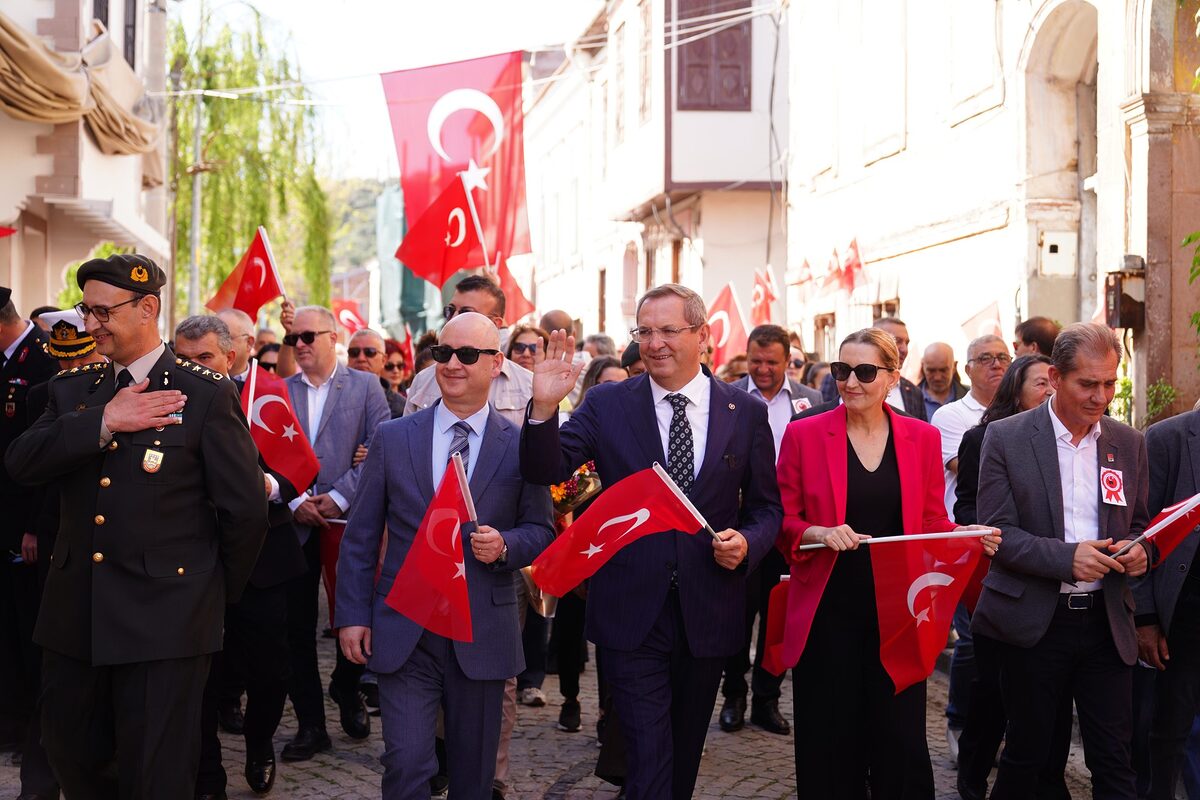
column 833, row 273
column 349, row 315
column 276, row 430
column 331, row 545
column 805, row 273
column 253, row 283
column 431, row 585
column 762, row 298
column 1172, row 525
column 808, row 579
column 918, row 583
column 6, row 231
column 726, row 326
column 516, row 304
column 442, row 239
column 852, row 270
column 642, row 504
column 406, row 349
column 773, row 660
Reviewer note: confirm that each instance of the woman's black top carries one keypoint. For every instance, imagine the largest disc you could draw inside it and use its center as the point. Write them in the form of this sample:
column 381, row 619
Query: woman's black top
column 969, row 451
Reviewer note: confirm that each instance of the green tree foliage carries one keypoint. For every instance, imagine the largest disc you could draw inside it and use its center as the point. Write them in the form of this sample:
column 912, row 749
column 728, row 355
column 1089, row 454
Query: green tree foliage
column 258, row 161
column 71, row 293
column 353, row 203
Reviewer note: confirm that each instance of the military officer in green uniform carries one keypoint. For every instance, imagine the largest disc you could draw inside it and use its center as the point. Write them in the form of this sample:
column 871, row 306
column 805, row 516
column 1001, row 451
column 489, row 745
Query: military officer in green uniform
column 163, row 510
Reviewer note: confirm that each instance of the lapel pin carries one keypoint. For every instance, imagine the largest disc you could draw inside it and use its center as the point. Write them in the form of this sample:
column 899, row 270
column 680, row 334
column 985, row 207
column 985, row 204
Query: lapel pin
column 1110, row 458
column 732, row 406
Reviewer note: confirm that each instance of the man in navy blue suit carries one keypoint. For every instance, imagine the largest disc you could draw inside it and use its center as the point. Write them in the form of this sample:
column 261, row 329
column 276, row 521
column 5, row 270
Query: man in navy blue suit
column 668, row 609
column 420, row 671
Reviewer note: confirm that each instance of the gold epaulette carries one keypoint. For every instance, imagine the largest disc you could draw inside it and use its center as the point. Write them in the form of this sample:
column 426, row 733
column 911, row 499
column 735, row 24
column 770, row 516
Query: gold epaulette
column 85, row 369
column 199, row 369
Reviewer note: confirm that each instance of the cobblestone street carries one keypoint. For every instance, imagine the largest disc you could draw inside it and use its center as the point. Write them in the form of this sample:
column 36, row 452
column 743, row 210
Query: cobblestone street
column 547, row 763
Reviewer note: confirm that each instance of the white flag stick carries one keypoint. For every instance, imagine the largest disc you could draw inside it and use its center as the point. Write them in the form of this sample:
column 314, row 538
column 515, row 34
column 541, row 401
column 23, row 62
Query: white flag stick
column 487, row 264
column 1186, row 507
column 674, row 487
column 253, row 382
column 461, row 473
column 916, row 537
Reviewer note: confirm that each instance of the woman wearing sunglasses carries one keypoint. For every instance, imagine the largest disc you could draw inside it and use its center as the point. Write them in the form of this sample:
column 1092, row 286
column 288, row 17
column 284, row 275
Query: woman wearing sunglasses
column 527, row 346
column 858, row 471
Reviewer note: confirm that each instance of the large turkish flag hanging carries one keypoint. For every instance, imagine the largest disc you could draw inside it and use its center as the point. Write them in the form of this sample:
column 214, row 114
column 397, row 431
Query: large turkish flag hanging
column 726, row 326
column 447, row 115
column 253, row 283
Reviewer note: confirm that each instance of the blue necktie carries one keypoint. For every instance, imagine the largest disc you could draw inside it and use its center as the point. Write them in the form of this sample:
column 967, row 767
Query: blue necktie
column 459, row 444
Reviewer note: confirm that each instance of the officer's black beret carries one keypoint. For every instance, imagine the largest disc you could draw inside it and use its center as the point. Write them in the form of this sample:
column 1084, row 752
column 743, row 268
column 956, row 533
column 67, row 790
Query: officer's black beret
column 135, row 273
column 5, row 295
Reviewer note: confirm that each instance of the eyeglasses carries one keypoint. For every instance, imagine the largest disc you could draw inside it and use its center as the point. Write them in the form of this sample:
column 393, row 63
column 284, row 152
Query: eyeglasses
column 452, row 310
column 866, row 373
column 466, row 355
column 520, row 347
column 308, row 337
column 102, row 313
column 266, row 366
column 355, row 352
column 987, row 359
column 668, row 334
column 393, row 365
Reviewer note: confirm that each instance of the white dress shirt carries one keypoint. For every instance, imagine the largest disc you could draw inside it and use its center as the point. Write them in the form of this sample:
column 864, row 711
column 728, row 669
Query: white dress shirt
column 1079, row 472
column 894, row 399
column 444, row 421
column 697, row 392
column 12, row 348
column 779, row 411
column 952, row 421
column 315, row 398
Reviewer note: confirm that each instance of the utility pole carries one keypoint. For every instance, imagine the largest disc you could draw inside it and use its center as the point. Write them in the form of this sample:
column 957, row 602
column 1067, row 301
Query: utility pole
column 194, row 272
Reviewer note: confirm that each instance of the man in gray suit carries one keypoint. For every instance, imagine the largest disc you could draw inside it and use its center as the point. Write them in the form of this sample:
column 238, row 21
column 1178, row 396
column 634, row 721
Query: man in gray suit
column 420, row 671
column 1168, row 603
column 1065, row 485
column 338, row 409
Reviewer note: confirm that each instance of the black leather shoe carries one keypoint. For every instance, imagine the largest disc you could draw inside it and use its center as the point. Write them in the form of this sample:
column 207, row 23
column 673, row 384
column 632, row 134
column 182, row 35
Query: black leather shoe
column 767, row 717
column 260, row 774
column 370, row 693
column 305, row 744
column 353, row 713
column 438, row 785
column 231, row 719
column 733, row 714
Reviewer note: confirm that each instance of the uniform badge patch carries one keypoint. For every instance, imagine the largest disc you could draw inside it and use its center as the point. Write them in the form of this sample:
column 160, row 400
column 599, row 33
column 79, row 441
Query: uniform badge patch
column 152, row 461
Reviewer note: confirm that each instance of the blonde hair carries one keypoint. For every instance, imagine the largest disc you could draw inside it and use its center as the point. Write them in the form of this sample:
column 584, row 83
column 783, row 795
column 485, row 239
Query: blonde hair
column 881, row 340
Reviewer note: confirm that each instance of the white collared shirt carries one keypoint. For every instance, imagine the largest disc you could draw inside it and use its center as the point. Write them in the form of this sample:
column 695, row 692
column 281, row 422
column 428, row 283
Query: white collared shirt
column 1079, row 472
column 952, row 421
column 444, row 421
column 12, row 348
column 779, row 411
column 316, row 397
column 697, row 392
column 894, row 399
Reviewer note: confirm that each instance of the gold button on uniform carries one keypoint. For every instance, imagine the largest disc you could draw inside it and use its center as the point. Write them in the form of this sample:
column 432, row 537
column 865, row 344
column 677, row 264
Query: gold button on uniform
column 99, row 519
column 97, row 557
column 180, row 570
column 112, row 445
column 105, row 482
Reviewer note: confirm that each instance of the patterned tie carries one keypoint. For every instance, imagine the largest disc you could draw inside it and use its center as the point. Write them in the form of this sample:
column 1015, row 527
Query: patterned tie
column 459, row 444
column 124, row 378
column 680, row 456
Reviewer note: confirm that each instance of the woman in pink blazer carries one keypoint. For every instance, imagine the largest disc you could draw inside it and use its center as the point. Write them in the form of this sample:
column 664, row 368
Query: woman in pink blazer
column 858, row 471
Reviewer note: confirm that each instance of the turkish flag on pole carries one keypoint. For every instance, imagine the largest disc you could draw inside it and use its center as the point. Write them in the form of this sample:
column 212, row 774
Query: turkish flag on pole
column 441, row 240
column 641, row 504
column 516, row 304
column 764, row 295
column 406, row 348
column 349, row 315
column 6, row 231
column 275, row 429
column 852, row 270
column 918, row 583
column 431, row 585
column 726, row 326
column 833, row 273
column 253, row 283
column 1172, row 526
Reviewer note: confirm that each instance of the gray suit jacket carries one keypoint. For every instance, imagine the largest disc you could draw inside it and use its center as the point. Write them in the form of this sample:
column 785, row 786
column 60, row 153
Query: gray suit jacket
column 799, row 392
column 1173, row 446
column 355, row 407
column 1020, row 492
column 397, row 488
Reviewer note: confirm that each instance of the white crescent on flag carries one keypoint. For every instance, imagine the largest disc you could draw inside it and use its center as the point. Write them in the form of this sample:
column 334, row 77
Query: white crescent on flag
column 638, row 518
column 722, row 317
column 456, row 215
column 262, row 270
column 259, row 404
column 462, row 100
column 924, row 582
column 348, row 318
column 439, row 516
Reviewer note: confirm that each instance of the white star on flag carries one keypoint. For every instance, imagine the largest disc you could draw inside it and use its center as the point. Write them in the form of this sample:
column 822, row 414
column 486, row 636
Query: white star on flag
column 473, row 176
column 592, row 550
column 289, row 432
column 461, row 569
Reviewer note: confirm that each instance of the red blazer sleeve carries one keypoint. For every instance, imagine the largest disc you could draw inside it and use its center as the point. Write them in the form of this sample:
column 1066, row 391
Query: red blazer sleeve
column 799, row 511
column 934, row 501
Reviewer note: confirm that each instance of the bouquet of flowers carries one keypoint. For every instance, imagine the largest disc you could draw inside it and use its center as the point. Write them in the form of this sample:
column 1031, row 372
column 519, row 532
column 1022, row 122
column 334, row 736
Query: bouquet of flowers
column 576, row 490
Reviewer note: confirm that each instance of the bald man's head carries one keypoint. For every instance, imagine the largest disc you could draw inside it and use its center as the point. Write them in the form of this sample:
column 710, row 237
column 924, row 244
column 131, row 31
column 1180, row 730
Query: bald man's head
column 557, row 320
column 939, row 367
column 464, row 374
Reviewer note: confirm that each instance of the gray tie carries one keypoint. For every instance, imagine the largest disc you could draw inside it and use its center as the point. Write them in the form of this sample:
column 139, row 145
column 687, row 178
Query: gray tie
column 680, row 455
column 459, row 444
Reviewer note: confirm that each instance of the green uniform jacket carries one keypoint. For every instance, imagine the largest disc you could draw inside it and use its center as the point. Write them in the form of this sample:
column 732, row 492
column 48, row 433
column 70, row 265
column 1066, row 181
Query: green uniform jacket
column 158, row 531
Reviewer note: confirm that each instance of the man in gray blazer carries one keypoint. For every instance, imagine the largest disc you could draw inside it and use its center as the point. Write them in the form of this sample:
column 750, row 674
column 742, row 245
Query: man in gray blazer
column 338, row 409
column 1168, row 603
column 1065, row 485
column 421, row 671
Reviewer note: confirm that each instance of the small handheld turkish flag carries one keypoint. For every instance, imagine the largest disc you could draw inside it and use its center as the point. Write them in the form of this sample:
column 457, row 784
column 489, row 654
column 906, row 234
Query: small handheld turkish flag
column 641, row 504
column 348, row 314
column 440, row 242
column 253, row 283
column 918, row 583
column 1172, row 526
column 275, row 429
column 726, row 326
column 431, row 585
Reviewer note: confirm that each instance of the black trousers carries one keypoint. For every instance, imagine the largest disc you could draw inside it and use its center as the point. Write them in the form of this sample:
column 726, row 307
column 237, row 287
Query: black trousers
column 1076, row 657
column 1176, row 696
column 255, row 636
column 567, row 642
column 767, row 687
column 144, row 716
column 855, row 738
column 984, row 731
column 304, row 684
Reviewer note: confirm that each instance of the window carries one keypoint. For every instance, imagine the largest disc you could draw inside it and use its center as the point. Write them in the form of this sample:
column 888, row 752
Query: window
column 131, row 14
column 644, row 52
column 618, row 84
column 825, row 340
column 100, row 11
column 887, row 308
column 714, row 70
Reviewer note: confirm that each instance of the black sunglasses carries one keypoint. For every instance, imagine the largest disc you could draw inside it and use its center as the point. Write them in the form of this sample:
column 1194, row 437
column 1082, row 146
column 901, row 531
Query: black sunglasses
column 521, row 347
column 355, row 352
column 866, row 373
column 389, row 366
column 266, row 366
column 308, row 337
column 466, row 355
column 450, row 311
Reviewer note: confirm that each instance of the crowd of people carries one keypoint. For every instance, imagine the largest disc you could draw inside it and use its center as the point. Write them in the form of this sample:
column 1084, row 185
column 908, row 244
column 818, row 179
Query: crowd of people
column 163, row 580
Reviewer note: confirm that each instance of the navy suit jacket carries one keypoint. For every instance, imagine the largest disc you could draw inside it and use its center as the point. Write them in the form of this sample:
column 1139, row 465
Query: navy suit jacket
column 394, row 489
column 736, row 488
